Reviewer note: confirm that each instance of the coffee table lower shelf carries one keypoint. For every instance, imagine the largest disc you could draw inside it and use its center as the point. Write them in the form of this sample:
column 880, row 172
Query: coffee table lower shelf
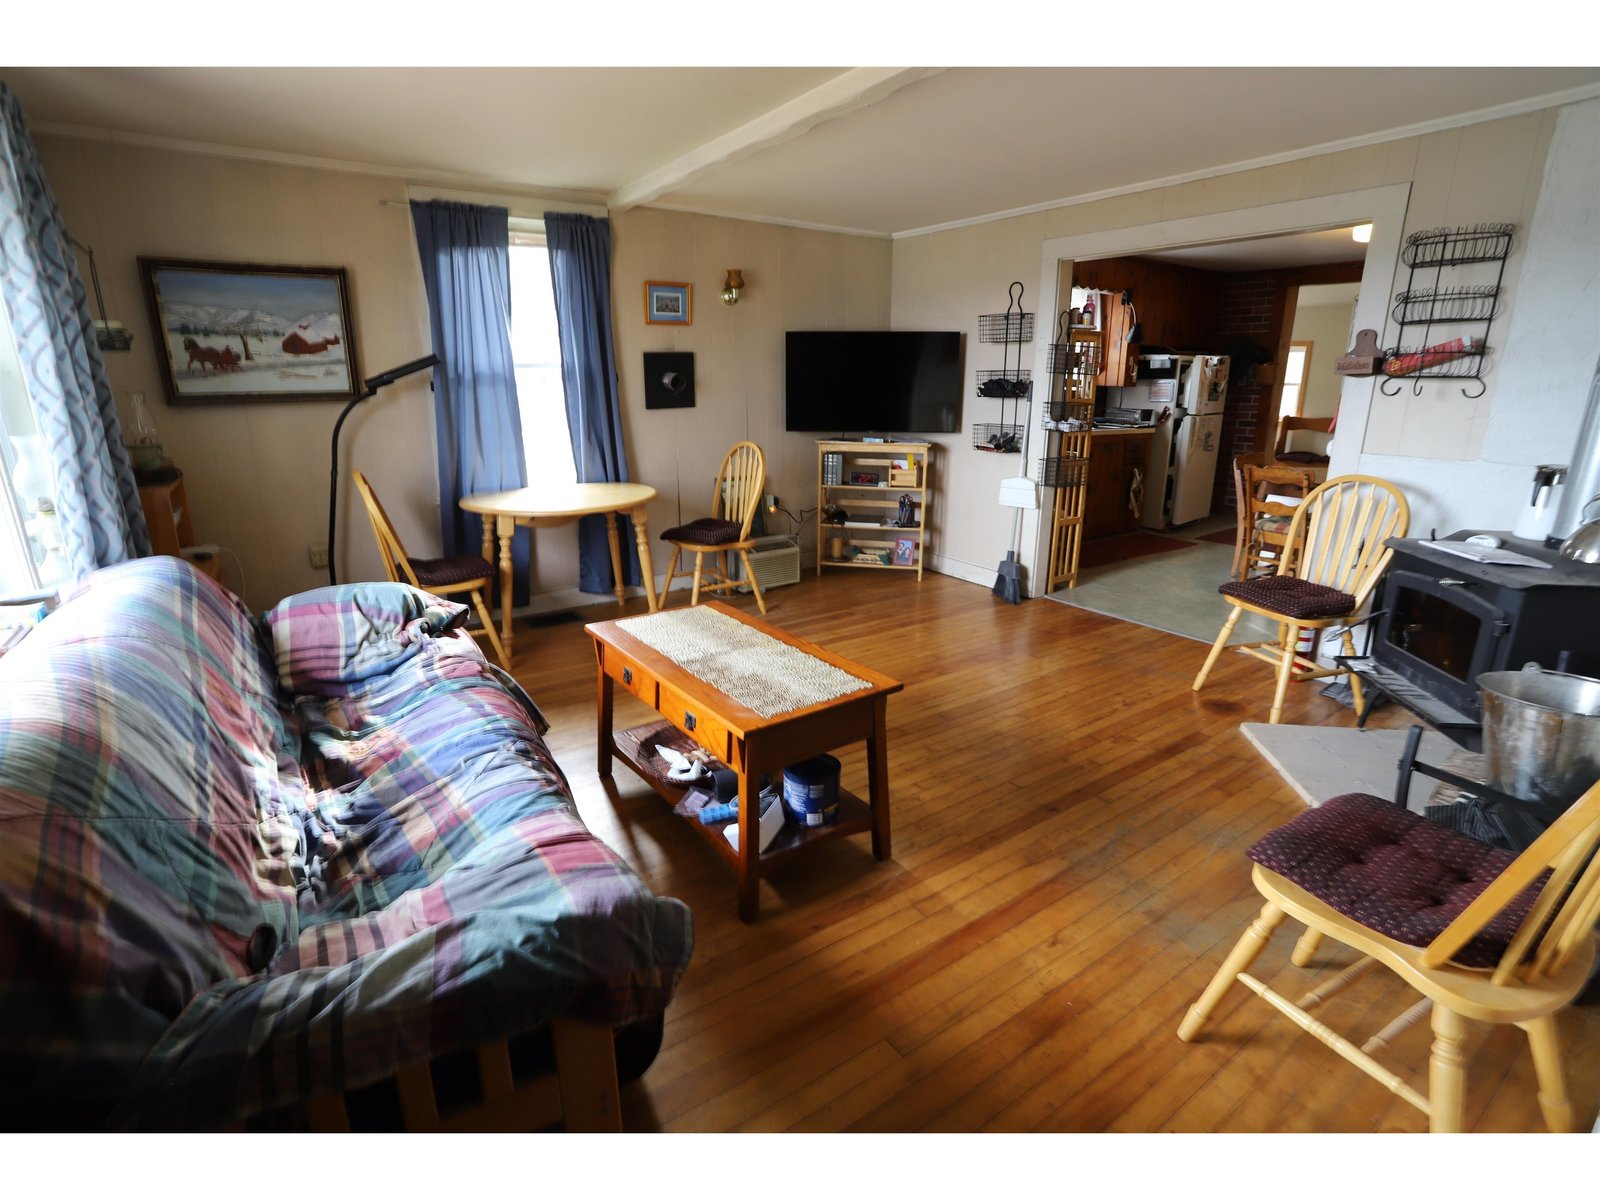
column 855, row 815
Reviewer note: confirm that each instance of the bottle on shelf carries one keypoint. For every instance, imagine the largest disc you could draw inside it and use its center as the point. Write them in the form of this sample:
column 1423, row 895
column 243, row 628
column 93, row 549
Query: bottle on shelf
column 1088, row 310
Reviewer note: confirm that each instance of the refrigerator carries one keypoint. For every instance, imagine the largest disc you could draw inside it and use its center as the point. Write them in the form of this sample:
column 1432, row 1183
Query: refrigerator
column 1197, row 437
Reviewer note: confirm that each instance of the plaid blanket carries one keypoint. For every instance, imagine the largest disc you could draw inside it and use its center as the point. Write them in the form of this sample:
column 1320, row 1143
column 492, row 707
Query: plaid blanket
column 219, row 897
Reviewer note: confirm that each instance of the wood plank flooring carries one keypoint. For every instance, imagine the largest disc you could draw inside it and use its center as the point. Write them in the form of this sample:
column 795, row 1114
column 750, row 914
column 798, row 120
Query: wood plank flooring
column 1069, row 832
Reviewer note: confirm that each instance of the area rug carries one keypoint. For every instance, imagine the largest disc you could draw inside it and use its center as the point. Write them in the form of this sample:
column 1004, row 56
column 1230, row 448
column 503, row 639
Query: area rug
column 1223, row 537
column 1102, row 551
column 1175, row 593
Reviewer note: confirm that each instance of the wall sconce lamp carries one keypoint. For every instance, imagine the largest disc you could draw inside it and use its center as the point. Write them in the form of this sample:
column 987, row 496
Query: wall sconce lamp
column 731, row 285
column 1362, row 233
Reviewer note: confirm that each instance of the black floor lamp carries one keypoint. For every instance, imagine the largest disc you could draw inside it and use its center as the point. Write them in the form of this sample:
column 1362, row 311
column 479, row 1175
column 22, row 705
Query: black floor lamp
column 371, row 387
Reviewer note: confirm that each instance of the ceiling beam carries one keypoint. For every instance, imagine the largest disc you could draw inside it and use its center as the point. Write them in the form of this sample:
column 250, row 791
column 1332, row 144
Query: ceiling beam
column 851, row 91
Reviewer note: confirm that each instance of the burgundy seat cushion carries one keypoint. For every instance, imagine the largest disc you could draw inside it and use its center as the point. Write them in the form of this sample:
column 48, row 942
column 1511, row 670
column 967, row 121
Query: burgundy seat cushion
column 463, row 568
column 707, row 531
column 1394, row 872
column 1290, row 596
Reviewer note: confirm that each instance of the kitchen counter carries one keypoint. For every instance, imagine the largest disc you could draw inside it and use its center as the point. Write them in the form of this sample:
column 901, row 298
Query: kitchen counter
column 1117, row 457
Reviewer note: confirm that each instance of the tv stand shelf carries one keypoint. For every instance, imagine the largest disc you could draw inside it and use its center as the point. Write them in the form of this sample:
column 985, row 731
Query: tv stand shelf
column 867, row 480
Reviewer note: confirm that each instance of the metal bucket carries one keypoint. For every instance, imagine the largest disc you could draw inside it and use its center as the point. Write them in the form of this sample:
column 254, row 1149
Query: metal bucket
column 1541, row 734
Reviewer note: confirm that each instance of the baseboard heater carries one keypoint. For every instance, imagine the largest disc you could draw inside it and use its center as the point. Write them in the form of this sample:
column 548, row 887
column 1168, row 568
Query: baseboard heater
column 775, row 562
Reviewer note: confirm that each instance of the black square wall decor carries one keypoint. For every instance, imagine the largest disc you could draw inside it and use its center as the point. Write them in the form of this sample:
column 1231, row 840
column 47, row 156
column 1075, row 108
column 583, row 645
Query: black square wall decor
column 668, row 379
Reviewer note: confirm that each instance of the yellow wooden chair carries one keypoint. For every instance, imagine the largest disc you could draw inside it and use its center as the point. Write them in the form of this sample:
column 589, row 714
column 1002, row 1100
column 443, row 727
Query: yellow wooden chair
column 739, row 487
column 465, row 573
column 1334, row 555
column 1484, row 935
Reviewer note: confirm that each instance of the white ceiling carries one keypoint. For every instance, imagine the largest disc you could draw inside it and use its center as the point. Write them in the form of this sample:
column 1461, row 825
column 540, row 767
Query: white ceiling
column 1309, row 249
column 872, row 150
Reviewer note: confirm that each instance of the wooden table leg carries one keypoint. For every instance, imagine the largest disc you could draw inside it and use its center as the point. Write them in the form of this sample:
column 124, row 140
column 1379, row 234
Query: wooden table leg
column 617, row 580
column 646, row 567
column 505, row 527
column 878, row 779
column 603, row 708
column 749, row 842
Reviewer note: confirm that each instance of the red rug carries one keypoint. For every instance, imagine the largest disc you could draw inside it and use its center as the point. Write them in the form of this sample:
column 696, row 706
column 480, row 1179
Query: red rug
column 1223, row 537
column 1103, row 551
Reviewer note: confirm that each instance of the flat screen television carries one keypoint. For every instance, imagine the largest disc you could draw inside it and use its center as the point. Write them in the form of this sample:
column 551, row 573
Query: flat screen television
column 872, row 382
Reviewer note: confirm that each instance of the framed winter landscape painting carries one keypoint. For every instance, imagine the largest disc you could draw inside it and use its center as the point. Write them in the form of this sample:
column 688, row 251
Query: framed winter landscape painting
column 247, row 333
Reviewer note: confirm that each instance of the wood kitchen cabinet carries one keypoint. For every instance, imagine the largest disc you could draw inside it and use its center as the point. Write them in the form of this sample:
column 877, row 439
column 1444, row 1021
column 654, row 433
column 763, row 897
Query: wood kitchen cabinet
column 1120, row 361
column 1116, row 459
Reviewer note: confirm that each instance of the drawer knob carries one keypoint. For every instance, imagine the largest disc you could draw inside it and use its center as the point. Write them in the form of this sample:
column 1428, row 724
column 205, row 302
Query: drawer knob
column 688, row 721
column 627, row 674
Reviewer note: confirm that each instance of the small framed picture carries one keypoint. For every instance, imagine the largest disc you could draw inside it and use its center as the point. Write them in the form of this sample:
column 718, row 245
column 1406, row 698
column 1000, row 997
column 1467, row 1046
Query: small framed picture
column 668, row 303
column 905, row 552
column 866, row 478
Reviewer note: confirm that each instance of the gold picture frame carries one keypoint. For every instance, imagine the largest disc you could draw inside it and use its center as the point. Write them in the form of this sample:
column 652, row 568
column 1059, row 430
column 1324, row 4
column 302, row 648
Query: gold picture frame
column 667, row 303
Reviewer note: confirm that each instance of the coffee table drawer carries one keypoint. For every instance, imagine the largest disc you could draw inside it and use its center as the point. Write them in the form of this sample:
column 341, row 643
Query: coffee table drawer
column 632, row 677
column 694, row 719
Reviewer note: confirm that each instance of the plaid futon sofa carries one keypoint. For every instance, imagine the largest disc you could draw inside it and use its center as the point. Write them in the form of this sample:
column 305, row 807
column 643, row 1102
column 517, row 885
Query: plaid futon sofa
column 247, row 861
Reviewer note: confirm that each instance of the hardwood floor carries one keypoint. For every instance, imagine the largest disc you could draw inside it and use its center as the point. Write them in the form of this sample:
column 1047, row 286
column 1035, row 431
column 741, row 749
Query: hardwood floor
column 1070, row 822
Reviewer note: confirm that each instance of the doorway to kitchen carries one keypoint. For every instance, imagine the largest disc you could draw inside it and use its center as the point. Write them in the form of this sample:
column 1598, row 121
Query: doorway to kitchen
column 1229, row 334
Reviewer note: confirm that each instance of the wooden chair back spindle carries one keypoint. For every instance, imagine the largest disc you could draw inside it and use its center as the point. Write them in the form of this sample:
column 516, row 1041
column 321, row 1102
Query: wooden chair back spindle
column 739, row 485
column 1338, row 534
column 395, row 560
column 1562, row 916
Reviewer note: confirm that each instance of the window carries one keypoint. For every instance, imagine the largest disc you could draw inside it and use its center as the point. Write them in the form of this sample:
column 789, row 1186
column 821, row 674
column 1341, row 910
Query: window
column 30, row 540
column 1294, row 379
column 536, row 354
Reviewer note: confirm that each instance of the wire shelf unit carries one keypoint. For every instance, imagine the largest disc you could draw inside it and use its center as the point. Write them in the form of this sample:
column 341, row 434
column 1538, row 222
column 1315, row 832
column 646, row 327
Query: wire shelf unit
column 1447, row 247
column 1005, row 327
column 1015, row 384
column 997, row 439
column 1063, row 471
column 1478, row 302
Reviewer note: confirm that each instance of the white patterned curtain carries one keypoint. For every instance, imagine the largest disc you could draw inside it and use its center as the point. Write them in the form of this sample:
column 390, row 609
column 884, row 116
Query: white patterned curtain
column 98, row 513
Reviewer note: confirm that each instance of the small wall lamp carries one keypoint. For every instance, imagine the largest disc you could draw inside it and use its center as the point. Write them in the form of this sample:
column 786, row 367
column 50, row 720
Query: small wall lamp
column 731, row 285
column 1362, row 233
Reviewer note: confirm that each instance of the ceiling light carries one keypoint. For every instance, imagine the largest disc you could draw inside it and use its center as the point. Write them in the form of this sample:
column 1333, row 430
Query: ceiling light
column 1362, row 233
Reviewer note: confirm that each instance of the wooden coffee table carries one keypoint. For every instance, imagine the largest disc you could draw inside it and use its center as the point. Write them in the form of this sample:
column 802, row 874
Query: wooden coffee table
column 748, row 743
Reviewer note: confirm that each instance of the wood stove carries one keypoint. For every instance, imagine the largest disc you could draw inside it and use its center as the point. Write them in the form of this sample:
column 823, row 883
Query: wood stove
column 1443, row 620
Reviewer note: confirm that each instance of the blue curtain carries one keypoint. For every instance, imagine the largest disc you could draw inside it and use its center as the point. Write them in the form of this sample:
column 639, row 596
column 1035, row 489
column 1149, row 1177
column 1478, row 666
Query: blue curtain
column 580, row 274
column 466, row 268
column 96, row 498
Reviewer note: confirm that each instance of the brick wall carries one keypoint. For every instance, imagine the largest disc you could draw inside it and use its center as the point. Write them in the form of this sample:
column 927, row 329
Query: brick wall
column 1247, row 309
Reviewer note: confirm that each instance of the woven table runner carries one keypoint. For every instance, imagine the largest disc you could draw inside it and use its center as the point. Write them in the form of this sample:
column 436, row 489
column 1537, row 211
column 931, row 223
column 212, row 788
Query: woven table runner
column 760, row 672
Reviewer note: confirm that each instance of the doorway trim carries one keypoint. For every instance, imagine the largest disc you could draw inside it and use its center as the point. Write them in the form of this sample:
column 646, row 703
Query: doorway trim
column 1384, row 207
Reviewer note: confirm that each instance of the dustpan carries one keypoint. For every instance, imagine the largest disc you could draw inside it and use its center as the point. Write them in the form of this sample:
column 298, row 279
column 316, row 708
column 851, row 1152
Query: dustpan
column 1016, row 494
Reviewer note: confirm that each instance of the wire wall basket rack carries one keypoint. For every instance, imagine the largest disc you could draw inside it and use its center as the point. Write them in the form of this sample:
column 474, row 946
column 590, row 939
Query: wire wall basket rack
column 1443, row 331
column 1011, row 384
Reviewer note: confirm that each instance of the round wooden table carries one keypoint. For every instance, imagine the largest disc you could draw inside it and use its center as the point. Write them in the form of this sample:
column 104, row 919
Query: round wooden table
column 557, row 504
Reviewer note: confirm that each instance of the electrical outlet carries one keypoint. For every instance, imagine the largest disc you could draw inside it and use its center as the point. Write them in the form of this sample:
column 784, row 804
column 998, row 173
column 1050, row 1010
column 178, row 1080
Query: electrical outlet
column 319, row 555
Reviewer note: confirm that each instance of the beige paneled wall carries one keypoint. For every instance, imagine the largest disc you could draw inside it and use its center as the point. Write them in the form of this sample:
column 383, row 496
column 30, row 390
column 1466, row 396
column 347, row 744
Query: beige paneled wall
column 1486, row 172
column 947, row 281
column 794, row 279
column 1327, row 328
column 257, row 475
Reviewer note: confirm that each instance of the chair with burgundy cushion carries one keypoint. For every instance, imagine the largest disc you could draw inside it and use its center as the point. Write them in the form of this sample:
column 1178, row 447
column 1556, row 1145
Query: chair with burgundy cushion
column 467, row 573
column 1483, row 934
column 1333, row 557
column 738, row 491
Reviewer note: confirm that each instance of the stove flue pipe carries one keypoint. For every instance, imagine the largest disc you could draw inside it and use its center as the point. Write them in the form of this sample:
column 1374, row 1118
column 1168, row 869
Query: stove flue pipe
column 1583, row 476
